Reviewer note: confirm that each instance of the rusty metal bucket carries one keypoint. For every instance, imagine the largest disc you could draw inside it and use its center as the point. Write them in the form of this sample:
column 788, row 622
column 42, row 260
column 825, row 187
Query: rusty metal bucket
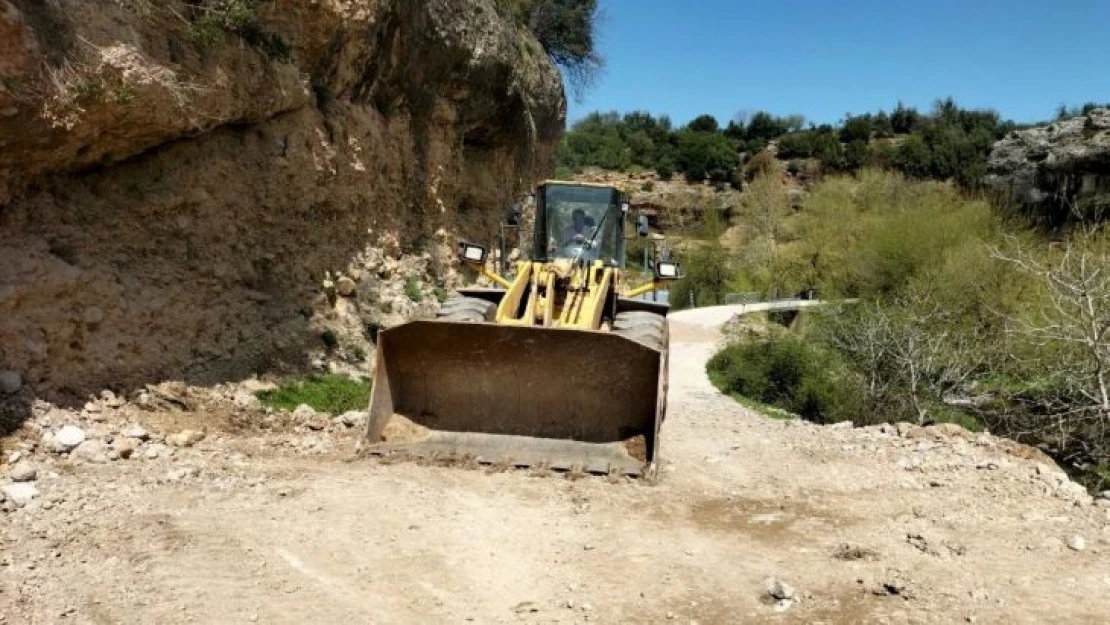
column 523, row 396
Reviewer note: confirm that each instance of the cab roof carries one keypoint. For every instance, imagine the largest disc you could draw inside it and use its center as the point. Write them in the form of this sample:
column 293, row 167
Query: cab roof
column 572, row 183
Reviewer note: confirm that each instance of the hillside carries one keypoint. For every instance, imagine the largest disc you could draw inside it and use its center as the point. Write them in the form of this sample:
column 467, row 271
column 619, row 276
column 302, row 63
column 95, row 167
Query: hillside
column 184, row 188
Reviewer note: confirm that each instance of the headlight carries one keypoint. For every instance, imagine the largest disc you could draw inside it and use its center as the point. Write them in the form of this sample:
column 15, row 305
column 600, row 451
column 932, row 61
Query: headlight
column 472, row 253
column 667, row 271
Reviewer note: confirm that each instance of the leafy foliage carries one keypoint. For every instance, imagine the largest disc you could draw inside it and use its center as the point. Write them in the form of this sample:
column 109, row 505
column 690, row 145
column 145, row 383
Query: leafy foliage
column 785, row 372
column 565, row 29
column 947, row 143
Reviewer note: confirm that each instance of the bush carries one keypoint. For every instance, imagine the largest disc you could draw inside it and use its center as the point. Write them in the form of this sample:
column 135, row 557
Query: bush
column 213, row 18
column 784, row 372
column 565, row 29
column 762, row 164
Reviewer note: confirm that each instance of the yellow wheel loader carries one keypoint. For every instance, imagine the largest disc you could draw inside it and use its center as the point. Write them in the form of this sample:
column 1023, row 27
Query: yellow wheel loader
column 563, row 366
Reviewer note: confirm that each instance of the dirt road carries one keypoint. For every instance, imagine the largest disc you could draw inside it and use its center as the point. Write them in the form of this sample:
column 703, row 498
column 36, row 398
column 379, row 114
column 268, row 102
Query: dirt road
column 866, row 525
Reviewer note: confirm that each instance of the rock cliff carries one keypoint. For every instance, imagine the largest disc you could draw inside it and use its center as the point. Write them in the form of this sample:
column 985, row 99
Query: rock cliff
column 1057, row 169
column 178, row 179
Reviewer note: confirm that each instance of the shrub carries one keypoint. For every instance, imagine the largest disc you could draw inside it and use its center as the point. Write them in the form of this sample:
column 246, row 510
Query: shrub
column 329, row 339
column 762, row 164
column 785, row 372
column 412, row 290
column 372, row 329
column 796, row 145
column 565, row 29
column 856, row 128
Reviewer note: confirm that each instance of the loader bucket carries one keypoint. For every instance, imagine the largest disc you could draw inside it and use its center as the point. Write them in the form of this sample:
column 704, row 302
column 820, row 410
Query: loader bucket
column 521, row 396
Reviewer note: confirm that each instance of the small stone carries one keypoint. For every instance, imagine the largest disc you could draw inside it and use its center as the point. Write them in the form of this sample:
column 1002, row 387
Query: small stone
column 670, row 616
column 124, row 446
column 69, row 437
column 93, row 315
column 136, row 432
column 1104, row 495
column 525, row 607
column 24, row 472
column 987, row 464
column 14, row 457
column 111, row 400
column 92, row 451
column 304, row 412
column 778, row 589
column 20, row 493
column 180, row 473
column 185, row 438
column 92, row 407
column 155, row 450
column 245, row 399
column 1077, row 543
column 351, row 419
column 10, row 382
column 345, row 286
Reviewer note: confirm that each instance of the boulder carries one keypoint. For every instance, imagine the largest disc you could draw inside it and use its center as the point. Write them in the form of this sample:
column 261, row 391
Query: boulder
column 10, row 382
column 24, row 471
column 1055, row 169
column 69, row 437
column 20, row 493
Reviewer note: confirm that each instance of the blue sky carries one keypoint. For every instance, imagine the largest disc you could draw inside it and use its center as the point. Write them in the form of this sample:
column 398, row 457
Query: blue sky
column 825, row 58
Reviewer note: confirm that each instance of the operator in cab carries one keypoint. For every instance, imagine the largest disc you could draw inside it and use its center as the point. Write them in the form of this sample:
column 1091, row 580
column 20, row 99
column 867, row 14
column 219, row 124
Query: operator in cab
column 580, row 225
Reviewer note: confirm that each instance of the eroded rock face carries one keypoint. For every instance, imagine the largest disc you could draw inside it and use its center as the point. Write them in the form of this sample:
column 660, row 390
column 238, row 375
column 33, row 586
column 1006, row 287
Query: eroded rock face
column 169, row 206
column 1056, row 169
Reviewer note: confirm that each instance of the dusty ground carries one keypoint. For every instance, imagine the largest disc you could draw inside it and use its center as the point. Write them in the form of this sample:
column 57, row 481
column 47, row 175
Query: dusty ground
column 867, row 525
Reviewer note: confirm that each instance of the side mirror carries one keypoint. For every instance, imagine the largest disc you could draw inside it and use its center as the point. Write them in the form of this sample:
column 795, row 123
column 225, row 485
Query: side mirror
column 643, row 228
column 516, row 211
column 471, row 253
column 667, row 271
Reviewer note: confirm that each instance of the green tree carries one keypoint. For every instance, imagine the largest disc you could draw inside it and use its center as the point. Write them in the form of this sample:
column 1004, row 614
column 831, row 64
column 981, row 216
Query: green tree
column 704, row 155
column 703, row 123
column 904, row 120
column 856, row 128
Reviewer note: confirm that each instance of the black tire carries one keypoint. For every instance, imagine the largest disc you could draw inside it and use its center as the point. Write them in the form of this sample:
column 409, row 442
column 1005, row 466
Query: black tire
column 470, row 309
column 643, row 327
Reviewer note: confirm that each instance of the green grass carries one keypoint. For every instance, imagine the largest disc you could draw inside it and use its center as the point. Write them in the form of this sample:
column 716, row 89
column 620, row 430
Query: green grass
column 946, row 414
column 334, row 394
column 412, row 290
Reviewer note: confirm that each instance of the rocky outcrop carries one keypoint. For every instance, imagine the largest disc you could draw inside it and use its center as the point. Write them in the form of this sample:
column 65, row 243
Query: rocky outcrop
column 1057, row 169
column 177, row 182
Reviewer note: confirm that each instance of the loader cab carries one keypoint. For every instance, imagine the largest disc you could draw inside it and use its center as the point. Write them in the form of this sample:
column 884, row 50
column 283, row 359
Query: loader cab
column 579, row 221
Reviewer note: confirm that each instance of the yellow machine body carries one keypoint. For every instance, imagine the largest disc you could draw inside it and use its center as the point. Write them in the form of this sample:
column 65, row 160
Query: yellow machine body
column 556, row 368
